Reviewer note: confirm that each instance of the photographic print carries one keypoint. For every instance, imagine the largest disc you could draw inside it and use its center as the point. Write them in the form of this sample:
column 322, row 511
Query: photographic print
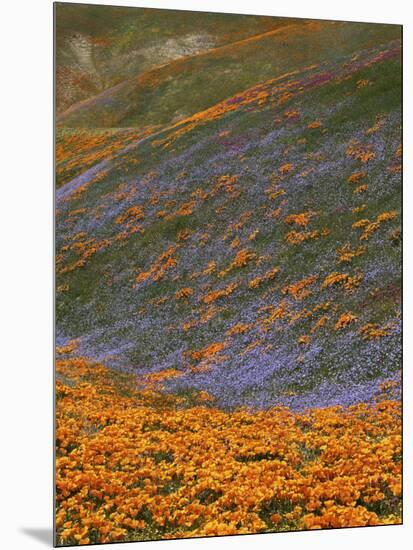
column 228, row 274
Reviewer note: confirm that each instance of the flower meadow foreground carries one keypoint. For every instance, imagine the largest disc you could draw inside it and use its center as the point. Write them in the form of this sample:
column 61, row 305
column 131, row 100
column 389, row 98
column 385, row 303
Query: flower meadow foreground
column 228, row 274
column 134, row 464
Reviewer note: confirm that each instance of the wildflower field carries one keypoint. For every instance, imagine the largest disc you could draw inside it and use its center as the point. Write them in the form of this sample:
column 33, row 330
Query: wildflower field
column 228, row 275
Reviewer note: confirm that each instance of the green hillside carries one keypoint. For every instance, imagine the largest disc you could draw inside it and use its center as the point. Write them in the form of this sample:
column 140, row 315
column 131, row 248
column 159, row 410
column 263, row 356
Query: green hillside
column 190, row 84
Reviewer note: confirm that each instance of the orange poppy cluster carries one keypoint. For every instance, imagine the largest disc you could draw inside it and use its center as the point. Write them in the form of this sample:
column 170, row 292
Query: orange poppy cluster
column 298, row 237
column 136, row 464
column 371, row 227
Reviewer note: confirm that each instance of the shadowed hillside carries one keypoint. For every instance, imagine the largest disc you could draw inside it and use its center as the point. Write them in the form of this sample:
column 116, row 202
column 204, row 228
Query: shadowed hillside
column 100, row 46
column 192, row 83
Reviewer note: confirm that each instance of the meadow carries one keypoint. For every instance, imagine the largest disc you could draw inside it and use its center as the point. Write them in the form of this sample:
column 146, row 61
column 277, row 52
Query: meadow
column 134, row 464
column 228, row 279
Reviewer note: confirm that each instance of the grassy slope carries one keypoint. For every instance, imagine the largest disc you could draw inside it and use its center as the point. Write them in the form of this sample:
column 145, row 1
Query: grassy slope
column 190, row 84
column 141, row 326
column 124, row 42
column 77, row 150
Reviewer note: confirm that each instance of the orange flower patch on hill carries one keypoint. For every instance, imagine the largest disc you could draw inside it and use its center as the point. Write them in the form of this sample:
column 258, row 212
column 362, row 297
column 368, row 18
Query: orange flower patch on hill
column 362, row 152
column 346, row 253
column 242, row 258
column 207, row 352
column 268, row 276
column 300, row 290
column 342, row 279
column 371, row 227
column 302, row 219
column 344, row 320
column 157, row 271
column 372, row 331
column 183, row 293
column 216, row 294
column 239, row 328
column 298, row 237
column 132, row 214
column 313, row 125
column 356, row 177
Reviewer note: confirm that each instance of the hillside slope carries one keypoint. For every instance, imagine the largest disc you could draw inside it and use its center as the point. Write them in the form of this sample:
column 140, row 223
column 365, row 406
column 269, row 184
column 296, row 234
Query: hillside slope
column 253, row 249
column 100, row 46
column 185, row 86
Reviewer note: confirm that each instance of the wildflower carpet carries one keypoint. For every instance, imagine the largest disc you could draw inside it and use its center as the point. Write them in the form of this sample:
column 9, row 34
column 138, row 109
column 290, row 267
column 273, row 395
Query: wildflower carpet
column 138, row 465
column 228, row 307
